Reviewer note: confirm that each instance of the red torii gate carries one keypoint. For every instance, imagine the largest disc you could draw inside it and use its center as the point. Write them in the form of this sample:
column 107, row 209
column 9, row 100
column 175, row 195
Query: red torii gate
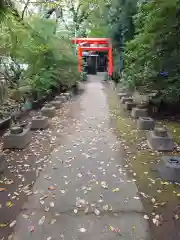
column 103, row 41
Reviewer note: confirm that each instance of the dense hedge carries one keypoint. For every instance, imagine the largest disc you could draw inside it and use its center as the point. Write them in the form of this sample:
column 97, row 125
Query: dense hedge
column 152, row 61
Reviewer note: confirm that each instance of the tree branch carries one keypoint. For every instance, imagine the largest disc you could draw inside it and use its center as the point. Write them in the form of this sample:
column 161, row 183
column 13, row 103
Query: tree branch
column 49, row 12
column 63, row 20
column 25, row 7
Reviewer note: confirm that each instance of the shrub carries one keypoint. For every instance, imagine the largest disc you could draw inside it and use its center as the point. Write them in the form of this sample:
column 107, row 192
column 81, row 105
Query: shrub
column 152, row 60
column 38, row 59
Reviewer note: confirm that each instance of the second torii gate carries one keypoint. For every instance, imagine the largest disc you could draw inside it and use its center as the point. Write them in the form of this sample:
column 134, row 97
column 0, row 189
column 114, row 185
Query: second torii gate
column 101, row 41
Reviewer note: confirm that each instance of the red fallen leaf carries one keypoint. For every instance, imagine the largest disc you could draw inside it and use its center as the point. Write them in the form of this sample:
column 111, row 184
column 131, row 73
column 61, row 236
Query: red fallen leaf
column 31, row 228
column 3, row 189
column 52, row 187
column 115, row 230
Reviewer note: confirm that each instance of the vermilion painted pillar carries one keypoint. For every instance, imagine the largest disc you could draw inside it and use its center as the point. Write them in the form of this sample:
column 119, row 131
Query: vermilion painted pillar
column 79, row 59
column 110, row 62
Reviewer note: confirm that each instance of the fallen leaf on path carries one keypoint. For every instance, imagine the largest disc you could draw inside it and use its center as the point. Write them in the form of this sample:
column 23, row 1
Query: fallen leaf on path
column 159, row 191
column 12, row 224
column 41, row 220
column 82, row 230
column 67, row 182
column 79, row 175
column 156, row 220
column 134, row 228
column 43, row 197
column 62, row 191
column 62, row 236
column 42, row 202
column 86, row 210
column 29, row 193
column 163, row 203
column 9, row 204
column 116, row 190
column 51, row 187
column 164, row 183
column 144, row 195
column 25, row 216
column 97, row 212
column 10, row 237
column 49, row 238
column 31, row 228
column 51, row 204
column 176, row 217
column 81, row 203
column 137, row 198
column 3, row 189
column 146, row 217
column 46, row 209
column 104, row 185
column 16, row 194
column 9, row 181
column 3, row 225
column 47, row 177
column 75, row 211
column 106, row 207
column 115, row 230
column 53, row 221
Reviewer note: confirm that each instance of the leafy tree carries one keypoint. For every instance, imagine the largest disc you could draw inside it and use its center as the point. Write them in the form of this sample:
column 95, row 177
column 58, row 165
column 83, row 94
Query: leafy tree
column 152, row 57
column 115, row 20
column 33, row 58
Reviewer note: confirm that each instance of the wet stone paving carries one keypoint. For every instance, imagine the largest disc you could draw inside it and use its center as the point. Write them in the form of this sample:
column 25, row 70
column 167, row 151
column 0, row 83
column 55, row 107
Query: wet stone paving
column 83, row 190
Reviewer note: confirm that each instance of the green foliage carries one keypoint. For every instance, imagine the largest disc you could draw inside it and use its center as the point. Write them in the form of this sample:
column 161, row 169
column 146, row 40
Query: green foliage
column 34, row 57
column 115, row 20
column 3, row 91
column 120, row 19
column 155, row 49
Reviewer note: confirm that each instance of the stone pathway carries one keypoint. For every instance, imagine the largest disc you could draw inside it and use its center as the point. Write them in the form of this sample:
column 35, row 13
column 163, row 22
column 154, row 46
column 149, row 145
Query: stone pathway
column 84, row 192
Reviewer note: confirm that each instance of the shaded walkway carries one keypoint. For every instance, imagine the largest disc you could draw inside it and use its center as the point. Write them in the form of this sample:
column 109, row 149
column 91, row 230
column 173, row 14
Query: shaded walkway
column 84, row 189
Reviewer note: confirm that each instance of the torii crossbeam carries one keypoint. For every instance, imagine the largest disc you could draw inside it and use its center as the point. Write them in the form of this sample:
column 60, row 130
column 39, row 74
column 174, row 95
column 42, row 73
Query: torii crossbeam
column 94, row 41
